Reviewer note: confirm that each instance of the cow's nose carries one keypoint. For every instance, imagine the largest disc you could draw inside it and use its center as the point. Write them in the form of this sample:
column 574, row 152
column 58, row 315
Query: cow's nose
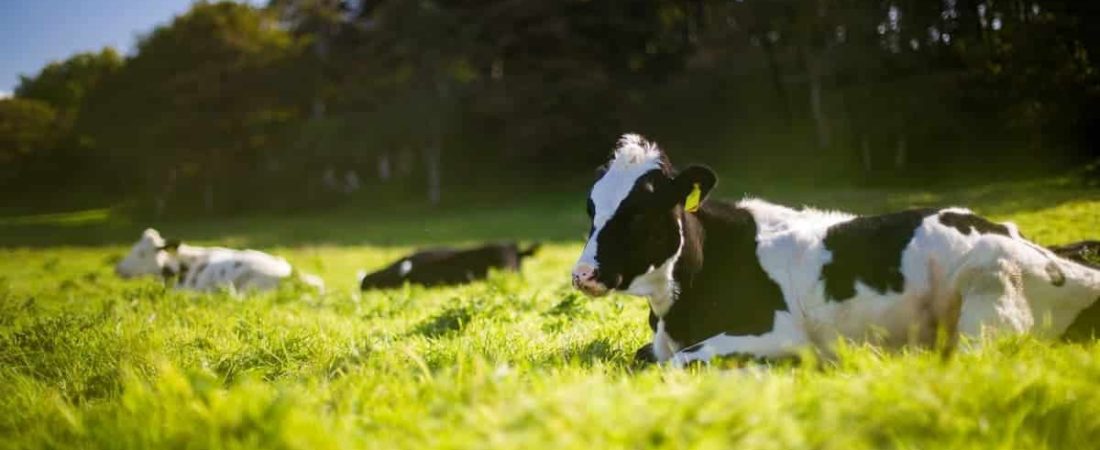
column 584, row 279
column 582, row 273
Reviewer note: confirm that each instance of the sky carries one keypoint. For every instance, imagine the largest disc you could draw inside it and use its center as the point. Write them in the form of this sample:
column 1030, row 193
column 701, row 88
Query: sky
column 36, row 32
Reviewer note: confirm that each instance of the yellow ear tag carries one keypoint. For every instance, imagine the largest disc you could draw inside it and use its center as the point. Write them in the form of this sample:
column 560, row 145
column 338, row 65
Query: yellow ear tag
column 692, row 203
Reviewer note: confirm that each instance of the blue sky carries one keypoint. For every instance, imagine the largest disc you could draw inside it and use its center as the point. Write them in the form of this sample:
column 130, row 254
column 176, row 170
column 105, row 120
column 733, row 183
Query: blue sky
column 35, row 32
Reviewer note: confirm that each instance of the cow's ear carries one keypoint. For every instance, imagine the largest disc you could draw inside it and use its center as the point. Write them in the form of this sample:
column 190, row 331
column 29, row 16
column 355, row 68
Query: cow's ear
column 691, row 186
column 171, row 245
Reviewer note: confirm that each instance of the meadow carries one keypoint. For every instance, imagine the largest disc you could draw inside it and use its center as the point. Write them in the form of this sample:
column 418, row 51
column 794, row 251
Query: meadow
column 520, row 361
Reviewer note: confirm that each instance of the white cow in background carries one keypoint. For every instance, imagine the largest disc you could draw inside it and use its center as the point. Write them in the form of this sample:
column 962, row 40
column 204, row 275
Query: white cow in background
column 207, row 269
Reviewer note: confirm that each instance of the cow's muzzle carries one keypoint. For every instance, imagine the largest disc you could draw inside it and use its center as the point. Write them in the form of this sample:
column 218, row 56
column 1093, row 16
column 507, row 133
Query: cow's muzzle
column 586, row 279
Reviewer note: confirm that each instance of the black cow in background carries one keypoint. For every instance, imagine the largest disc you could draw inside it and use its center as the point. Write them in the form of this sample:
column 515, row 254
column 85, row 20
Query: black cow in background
column 448, row 266
column 1083, row 252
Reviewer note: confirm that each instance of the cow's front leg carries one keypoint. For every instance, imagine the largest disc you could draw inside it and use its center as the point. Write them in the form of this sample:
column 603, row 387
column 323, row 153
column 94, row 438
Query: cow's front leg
column 784, row 340
column 645, row 355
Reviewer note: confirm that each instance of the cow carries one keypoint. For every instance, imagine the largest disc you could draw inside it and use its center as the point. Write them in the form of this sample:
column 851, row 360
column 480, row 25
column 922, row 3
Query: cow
column 448, row 266
column 207, row 269
column 1084, row 252
column 764, row 281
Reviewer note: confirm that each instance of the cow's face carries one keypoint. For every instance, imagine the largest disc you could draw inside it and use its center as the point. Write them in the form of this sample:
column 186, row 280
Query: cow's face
column 636, row 207
column 146, row 257
column 390, row 277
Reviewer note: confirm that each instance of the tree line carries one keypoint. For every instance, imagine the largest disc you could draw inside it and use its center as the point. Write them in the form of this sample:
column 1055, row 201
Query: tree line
column 311, row 101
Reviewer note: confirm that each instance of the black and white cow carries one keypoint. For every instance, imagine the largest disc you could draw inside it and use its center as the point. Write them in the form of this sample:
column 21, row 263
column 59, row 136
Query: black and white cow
column 448, row 266
column 758, row 279
column 207, row 268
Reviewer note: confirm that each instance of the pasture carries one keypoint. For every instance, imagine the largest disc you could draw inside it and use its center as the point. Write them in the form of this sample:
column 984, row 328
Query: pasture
column 520, row 361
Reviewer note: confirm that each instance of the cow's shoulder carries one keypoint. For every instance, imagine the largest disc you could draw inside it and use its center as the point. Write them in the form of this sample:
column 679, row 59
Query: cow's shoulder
column 728, row 289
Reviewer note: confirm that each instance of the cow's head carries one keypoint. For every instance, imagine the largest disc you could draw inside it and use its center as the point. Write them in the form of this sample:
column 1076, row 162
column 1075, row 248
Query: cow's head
column 636, row 207
column 390, row 277
column 148, row 256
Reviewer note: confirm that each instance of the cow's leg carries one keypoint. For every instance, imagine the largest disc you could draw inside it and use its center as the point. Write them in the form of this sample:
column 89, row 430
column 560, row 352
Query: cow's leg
column 785, row 339
column 995, row 280
column 645, row 355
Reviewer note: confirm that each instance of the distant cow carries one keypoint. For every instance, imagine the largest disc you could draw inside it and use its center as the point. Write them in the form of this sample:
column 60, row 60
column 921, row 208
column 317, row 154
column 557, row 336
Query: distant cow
column 1084, row 252
column 762, row 280
column 207, row 268
column 447, row 266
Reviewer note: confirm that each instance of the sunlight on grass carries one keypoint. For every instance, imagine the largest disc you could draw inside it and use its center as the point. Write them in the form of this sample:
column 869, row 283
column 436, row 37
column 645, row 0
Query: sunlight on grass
column 519, row 361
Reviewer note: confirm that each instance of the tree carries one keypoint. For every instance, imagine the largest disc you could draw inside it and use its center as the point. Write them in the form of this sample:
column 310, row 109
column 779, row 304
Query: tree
column 64, row 84
column 26, row 127
column 200, row 102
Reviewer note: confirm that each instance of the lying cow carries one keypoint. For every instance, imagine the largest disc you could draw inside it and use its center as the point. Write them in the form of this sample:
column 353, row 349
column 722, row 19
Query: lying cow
column 762, row 280
column 448, row 266
column 1084, row 252
column 207, row 268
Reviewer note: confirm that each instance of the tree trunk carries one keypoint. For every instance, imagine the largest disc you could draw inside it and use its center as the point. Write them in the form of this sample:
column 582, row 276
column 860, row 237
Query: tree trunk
column 432, row 165
column 208, row 195
column 208, row 189
column 901, row 154
column 865, row 154
column 814, row 72
column 777, row 78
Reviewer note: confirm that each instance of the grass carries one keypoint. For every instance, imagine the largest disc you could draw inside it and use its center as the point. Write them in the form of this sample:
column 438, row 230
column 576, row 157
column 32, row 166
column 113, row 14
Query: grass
column 520, row 361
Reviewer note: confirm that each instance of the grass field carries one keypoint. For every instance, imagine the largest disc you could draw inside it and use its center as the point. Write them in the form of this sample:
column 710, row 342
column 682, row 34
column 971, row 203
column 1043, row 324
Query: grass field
column 521, row 361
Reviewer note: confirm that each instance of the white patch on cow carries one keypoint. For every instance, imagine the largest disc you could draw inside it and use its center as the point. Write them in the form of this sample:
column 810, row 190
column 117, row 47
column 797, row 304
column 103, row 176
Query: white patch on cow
column 405, row 268
column 633, row 158
column 663, row 345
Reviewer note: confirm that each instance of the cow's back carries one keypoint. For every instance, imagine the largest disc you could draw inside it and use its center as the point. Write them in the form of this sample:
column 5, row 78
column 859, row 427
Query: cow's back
column 449, row 266
column 884, row 277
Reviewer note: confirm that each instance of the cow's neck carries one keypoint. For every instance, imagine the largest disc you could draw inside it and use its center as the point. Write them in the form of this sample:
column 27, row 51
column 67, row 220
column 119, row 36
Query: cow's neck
column 662, row 285
column 690, row 262
column 189, row 254
column 181, row 260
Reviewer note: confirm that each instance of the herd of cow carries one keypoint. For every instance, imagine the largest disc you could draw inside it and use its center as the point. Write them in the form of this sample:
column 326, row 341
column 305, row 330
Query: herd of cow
column 746, row 278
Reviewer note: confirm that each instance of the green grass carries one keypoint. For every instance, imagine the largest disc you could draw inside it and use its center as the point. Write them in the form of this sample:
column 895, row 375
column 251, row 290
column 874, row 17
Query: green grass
column 520, row 361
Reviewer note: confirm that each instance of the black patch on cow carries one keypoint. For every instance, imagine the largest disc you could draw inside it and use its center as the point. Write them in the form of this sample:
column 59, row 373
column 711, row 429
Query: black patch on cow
column 184, row 270
column 1085, row 325
column 1086, row 253
column 1057, row 277
column 723, row 288
column 243, row 278
column 645, row 355
column 198, row 271
column 868, row 250
column 968, row 223
column 449, row 266
column 237, row 264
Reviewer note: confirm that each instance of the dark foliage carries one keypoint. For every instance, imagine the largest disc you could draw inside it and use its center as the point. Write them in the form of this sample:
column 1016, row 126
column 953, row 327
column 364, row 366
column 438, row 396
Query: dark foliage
column 311, row 102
